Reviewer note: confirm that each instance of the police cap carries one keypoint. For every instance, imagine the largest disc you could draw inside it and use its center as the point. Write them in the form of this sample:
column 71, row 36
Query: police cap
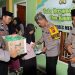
column 7, row 13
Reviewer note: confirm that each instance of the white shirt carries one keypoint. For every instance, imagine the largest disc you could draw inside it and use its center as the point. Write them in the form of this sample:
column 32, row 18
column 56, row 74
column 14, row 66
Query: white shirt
column 30, row 52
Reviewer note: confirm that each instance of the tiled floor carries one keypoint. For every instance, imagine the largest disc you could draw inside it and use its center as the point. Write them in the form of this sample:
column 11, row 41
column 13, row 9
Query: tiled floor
column 13, row 73
column 38, row 73
column 16, row 73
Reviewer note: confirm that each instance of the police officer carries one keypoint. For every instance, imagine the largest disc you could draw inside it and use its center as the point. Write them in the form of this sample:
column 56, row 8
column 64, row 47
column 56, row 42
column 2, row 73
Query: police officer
column 51, row 47
column 4, row 54
column 70, row 45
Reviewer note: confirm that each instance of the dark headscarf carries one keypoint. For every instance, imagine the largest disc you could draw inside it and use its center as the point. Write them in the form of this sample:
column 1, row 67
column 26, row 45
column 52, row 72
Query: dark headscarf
column 30, row 37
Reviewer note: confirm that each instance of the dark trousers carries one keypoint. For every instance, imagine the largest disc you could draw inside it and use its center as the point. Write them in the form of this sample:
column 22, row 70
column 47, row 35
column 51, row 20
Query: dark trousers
column 29, row 66
column 71, row 70
column 3, row 68
column 51, row 63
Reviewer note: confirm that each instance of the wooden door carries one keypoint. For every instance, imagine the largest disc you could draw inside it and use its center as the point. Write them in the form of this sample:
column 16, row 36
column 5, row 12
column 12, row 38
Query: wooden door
column 21, row 13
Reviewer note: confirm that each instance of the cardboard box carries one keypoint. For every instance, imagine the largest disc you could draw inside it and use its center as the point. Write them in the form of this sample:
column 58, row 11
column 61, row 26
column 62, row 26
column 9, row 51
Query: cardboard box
column 15, row 42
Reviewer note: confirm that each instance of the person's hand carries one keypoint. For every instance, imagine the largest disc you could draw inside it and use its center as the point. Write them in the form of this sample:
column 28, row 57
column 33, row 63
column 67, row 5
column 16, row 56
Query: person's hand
column 69, row 48
column 14, row 53
column 72, row 60
column 4, row 47
column 44, row 49
column 32, row 44
column 38, row 43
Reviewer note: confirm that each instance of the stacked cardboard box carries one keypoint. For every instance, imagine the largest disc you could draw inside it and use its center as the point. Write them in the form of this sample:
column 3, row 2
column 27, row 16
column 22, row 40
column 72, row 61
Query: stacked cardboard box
column 15, row 42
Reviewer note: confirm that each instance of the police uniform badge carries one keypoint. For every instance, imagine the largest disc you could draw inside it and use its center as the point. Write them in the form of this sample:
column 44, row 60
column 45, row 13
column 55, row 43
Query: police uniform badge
column 54, row 32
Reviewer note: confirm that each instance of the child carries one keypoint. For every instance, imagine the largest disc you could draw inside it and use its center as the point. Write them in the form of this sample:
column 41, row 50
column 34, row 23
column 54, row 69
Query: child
column 14, row 64
column 29, row 60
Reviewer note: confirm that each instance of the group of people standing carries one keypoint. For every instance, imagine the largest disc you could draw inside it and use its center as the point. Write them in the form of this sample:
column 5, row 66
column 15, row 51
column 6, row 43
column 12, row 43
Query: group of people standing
column 27, row 61
column 51, row 46
column 9, row 59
